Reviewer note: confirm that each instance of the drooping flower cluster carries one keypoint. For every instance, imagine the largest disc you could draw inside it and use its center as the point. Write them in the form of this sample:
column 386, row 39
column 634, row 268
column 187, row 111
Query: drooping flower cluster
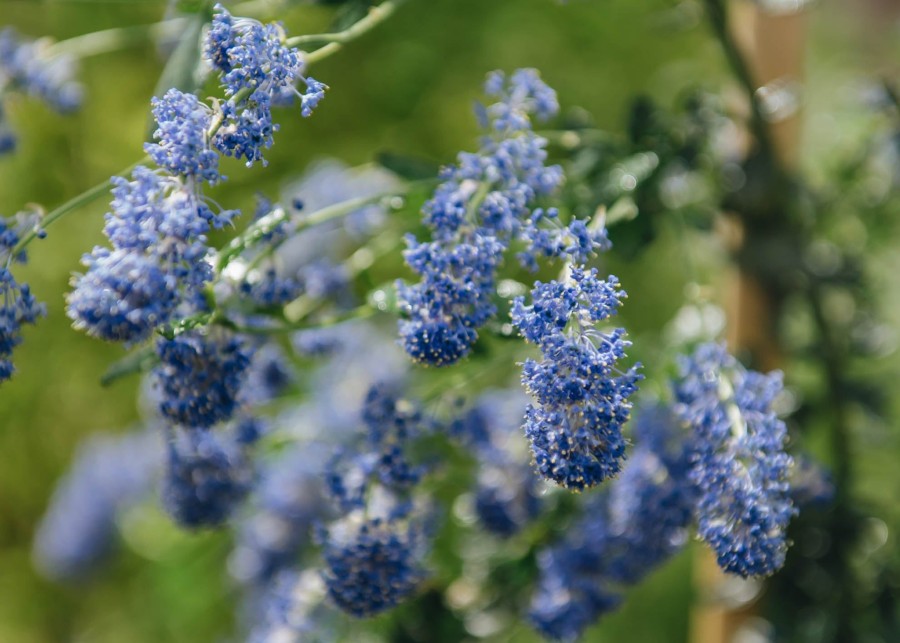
column 740, row 466
column 26, row 66
column 157, row 228
column 581, row 399
column 372, row 564
column 159, row 221
column 625, row 532
column 207, row 475
column 109, row 473
column 199, row 377
column 17, row 304
column 483, row 204
column 257, row 69
column 373, row 554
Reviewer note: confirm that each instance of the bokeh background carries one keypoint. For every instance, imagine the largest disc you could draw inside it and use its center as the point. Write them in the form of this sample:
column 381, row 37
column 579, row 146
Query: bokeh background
column 407, row 87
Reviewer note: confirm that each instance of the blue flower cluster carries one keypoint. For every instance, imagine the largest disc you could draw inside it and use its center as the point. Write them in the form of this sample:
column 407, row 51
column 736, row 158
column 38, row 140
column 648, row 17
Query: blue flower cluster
column 581, row 399
column 483, row 204
column 373, row 553
column 183, row 125
column 158, row 229
column 625, row 532
column 372, row 564
column 17, row 304
column 159, row 221
column 200, row 377
column 207, row 474
column 109, row 473
column 257, row 69
column 740, row 466
column 25, row 66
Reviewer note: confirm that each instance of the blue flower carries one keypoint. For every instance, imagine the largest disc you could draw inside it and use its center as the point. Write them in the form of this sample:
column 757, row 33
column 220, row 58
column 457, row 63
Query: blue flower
column 451, row 301
column 371, row 564
column 182, row 126
column 157, row 228
column 580, row 397
column 199, row 377
column 18, row 305
column 740, row 466
column 26, row 67
column 123, row 296
column 78, row 530
column 252, row 58
column 624, row 533
column 206, row 476
column 484, row 204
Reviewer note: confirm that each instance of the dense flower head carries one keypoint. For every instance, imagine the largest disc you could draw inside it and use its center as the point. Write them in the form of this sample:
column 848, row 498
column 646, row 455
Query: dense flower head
column 288, row 499
column 451, row 301
column 200, row 376
column 249, row 54
column 740, row 466
column 207, row 474
column 519, row 96
column 182, row 147
column 109, row 473
column 371, row 564
column 17, row 303
column 25, row 66
column 581, row 399
column 157, row 228
column 483, row 204
column 123, row 296
column 571, row 593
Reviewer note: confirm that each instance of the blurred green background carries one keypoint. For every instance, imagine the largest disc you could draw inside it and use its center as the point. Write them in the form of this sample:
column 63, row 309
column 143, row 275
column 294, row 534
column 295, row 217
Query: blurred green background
column 407, row 87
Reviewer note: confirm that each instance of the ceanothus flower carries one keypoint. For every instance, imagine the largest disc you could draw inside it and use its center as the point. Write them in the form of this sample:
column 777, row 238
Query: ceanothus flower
column 207, row 474
column 625, row 532
column 26, row 67
column 581, row 399
column 483, row 204
column 18, row 305
column 257, row 70
column 157, row 228
column 199, row 377
column 123, row 296
column 182, row 133
column 372, row 564
column 506, row 497
column 108, row 474
column 740, row 466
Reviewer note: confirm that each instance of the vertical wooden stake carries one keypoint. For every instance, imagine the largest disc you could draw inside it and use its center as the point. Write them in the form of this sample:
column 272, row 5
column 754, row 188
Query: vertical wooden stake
column 773, row 47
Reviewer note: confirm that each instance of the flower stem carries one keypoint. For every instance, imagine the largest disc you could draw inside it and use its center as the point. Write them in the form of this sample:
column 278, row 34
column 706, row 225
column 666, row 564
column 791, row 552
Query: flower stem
column 336, row 41
column 101, row 42
column 88, row 196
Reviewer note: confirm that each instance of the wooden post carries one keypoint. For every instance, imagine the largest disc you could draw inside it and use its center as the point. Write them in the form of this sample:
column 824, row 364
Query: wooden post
column 772, row 46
